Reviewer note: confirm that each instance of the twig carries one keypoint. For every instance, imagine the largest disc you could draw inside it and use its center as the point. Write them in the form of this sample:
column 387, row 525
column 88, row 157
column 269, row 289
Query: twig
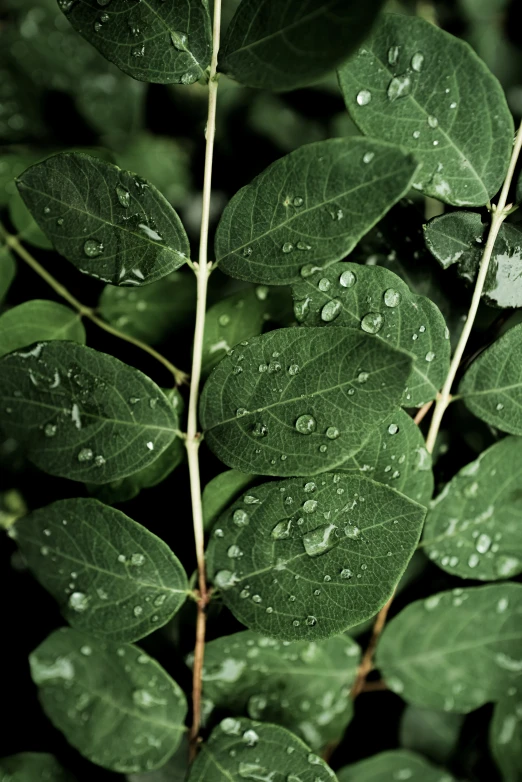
column 498, row 215
column 192, row 442
column 84, row 311
column 367, row 661
column 424, row 410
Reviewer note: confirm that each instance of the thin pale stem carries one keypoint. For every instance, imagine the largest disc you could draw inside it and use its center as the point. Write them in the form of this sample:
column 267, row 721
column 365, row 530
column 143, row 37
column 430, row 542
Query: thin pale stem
column 367, row 661
column 498, row 215
column 83, row 310
column 193, row 437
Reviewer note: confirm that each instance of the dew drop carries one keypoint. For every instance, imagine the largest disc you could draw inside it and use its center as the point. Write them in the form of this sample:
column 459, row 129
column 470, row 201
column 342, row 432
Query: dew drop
column 282, row 529
column 331, row 310
column 85, row 455
column 393, row 429
column 259, row 430
column 306, row 424
column 429, row 356
column 50, row 430
column 123, row 196
column 332, row 433
column 311, row 621
column 372, row 322
column 364, row 97
column 347, row 279
column 399, row 87
column 287, row 247
column 392, row 297
column 433, row 121
column 352, row 532
column 320, row 540
column 78, row 601
column 225, row 579
column 324, row 284
column 92, row 248
column 417, row 62
column 240, row 518
column 298, row 201
column 303, row 246
column 293, row 369
column 393, row 54
column 346, row 573
column 368, row 157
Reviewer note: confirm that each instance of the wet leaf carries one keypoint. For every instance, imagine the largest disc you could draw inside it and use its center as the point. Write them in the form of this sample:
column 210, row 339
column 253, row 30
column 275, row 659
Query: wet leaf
column 334, row 546
column 473, row 527
column 492, row 386
column 459, row 238
column 33, row 767
column 281, row 47
column 152, row 41
column 396, row 455
column 25, row 225
column 418, row 86
column 290, row 402
column 304, row 686
column 114, row 704
column 455, row 650
column 379, row 302
column 82, row 414
column 111, row 576
column 174, row 770
column 109, row 223
column 432, row 733
column 150, row 312
column 221, row 491
column 396, row 764
column 505, row 737
column 310, row 208
column 242, row 749
column 36, row 320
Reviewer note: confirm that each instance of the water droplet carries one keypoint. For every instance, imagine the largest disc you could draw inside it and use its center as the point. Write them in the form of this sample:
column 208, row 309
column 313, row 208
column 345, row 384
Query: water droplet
column 351, row 531
column 393, row 54
column 137, row 560
column 85, row 455
column 234, row 552
column 240, row 518
column 92, row 248
column 60, row 221
column 179, row 40
column 303, row 246
column 296, row 623
column 241, row 411
column 251, row 500
column 362, row 377
column 224, row 320
column 432, row 121
column 247, row 252
column 453, row 105
column 324, row 284
column 364, row 97
column 416, row 134
column 287, row 247
column 417, row 62
column 429, row 356
column 231, row 726
column 372, row 322
column 78, row 601
column 47, row 210
column 305, row 424
column 139, row 51
column 293, row 369
column 298, row 201
column 499, row 407
column 250, row 738
column 399, row 87
column 331, row 310
column 392, row 297
column 123, row 196
column 346, row 573
column 473, row 560
column 225, row 579
column 393, row 429
column 320, row 540
column 332, row 433
column 483, row 543
column 50, row 430
column 259, row 430
column 347, row 279
column 323, row 448
column 311, row 621
column 137, row 611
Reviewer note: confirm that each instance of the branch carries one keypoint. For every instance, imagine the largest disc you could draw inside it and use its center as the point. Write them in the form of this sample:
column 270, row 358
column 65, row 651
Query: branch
column 498, row 215
column 202, row 270
column 84, row 311
column 367, row 661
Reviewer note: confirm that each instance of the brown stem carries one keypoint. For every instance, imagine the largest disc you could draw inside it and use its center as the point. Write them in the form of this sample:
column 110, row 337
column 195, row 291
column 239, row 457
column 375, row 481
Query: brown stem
column 422, row 412
column 197, row 674
column 367, row 661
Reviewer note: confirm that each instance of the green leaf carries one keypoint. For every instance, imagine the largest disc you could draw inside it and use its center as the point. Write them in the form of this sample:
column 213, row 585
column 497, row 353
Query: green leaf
column 310, row 208
column 417, row 86
column 335, row 546
column 379, row 302
column 290, row 402
column 109, row 223
column 151, row 41
column 305, row 686
column 13, row 160
column 232, row 320
column 459, row 238
column 473, row 527
column 396, row 455
column 505, row 737
column 492, row 386
column 111, row 576
column 7, row 270
column 396, row 764
column 38, row 319
column 430, row 732
column 174, row 770
column 279, row 46
column 150, row 312
column 240, row 749
column 33, row 767
column 455, row 650
column 82, row 414
column 25, row 225
column 220, row 492
column 114, row 704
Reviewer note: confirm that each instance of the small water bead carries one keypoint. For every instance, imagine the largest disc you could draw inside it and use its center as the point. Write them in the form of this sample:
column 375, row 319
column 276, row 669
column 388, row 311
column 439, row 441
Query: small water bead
column 92, row 248
column 453, row 105
column 60, row 221
column 347, row 279
column 331, row 310
column 364, row 97
column 429, row 356
column 483, row 543
column 473, row 560
column 293, row 369
column 85, row 455
column 416, row 134
column 234, row 552
column 324, row 284
column 240, row 518
column 296, row 623
column 287, row 247
column 241, row 411
column 251, row 500
column 303, row 246
column 346, row 573
column 372, row 322
column 417, row 62
column 352, row 532
column 282, row 529
column 392, row 297
column 78, row 601
column 50, row 430
column 309, row 506
column 323, row 448
column 224, row 320
column 137, row 611
column 332, row 433
column 311, row 621
column 393, row 54
column 399, row 87
column 298, row 201
column 225, row 579
column 393, row 429
column 123, row 196
column 310, row 486
column 435, row 143
column 257, row 598
column 306, row 424
column 499, row 407
column 47, row 210
column 433, row 121
column 259, row 430
column 362, row 377
column 368, row 157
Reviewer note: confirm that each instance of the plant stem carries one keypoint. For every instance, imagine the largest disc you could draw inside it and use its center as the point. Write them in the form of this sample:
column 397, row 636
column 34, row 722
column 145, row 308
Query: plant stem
column 498, row 215
column 367, row 661
column 84, row 311
column 192, row 442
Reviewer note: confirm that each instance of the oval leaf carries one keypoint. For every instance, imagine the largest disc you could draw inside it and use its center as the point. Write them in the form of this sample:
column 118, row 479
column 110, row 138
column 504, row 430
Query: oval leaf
column 114, row 704
column 378, row 301
column 24, row 224
column 473, row 527
column 396, row 455
column 38, row 320
column 240, row 749
column 505, row 737
column 82, row 414
column 397, row 764
column 430, row 732
column 492, row 386
column 33, row 767
column 418, row 86
column 152, row 41
column 459, row 237
column 111, row 576
column 290, row 402
column 310, row 208
column 304, row 686
column 283, row 46
column 422, row 651
column 336, row 548
column 109, row 223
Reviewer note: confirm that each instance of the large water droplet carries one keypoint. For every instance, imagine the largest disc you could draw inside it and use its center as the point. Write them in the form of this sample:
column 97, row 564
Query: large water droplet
column 78, row 601
column 399, row 87
column 372, row 322
column 392, row 297
column 92, row 248
column 364, row 97
column 347, row 279
column 331, row 310
column 320, row 540
column 179, row 40
column 240, row 518
column 324, row 284
column 225, row 579
column 282, row 529
column 417, row 61
column 306, row 424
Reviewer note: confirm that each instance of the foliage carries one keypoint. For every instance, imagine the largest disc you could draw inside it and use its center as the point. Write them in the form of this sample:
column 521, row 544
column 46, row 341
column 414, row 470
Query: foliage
column 260, row 445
